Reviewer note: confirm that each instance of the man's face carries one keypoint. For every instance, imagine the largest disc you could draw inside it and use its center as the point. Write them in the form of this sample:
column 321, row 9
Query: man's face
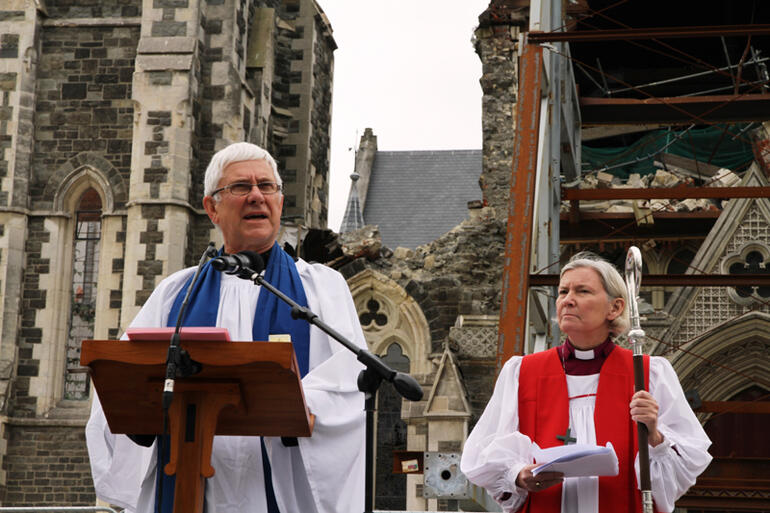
column 248, row 222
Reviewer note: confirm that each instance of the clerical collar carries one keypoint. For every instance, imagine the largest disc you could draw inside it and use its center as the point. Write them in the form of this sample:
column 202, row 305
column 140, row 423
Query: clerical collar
column 265, row 256
column 577, row 362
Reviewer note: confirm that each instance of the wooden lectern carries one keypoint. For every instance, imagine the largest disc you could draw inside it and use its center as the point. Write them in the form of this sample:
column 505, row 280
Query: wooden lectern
column 244, row 388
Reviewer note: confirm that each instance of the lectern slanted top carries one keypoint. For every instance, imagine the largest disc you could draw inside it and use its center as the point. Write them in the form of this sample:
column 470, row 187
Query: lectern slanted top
column 244, row 388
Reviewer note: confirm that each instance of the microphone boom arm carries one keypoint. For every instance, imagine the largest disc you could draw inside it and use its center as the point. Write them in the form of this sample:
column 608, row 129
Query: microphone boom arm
column 369, row 379
column 405, row 384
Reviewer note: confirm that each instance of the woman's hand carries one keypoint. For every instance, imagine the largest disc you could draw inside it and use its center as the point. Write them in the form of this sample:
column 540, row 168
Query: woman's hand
column 537, row 483
column 644, row 409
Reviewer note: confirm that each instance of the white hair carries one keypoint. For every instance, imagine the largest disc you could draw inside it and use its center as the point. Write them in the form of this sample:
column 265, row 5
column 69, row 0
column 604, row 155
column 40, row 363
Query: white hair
column 614, row 285
column 236, row 152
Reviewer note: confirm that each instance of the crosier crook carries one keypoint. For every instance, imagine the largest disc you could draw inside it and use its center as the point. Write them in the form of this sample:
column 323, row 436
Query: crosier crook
column 636, row 335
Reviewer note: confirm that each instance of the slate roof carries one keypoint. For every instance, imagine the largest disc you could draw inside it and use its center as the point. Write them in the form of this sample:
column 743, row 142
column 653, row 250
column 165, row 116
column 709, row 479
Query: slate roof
column 417, row 196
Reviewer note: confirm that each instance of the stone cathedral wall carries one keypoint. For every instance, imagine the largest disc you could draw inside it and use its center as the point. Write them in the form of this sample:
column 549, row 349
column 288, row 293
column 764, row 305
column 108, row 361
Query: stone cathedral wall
column 130, row 98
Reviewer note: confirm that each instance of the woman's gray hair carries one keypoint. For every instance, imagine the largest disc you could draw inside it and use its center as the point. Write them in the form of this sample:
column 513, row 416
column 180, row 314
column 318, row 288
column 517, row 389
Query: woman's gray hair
column 613, row 283
column 236, row 152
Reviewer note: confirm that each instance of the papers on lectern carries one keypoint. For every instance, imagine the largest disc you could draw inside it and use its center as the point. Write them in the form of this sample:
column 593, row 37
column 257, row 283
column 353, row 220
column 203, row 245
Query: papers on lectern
column 186, row 333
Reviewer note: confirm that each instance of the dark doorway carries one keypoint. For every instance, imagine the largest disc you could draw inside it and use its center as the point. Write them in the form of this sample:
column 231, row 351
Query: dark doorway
column 390, row 489
column 738, row 478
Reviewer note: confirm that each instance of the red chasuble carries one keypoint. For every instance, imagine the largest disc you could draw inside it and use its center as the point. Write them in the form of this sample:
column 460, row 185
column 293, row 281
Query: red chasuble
column 544, row 414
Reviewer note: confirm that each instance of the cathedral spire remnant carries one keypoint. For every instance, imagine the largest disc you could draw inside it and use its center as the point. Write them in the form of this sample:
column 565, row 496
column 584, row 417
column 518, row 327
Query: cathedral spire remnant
column 354, row 218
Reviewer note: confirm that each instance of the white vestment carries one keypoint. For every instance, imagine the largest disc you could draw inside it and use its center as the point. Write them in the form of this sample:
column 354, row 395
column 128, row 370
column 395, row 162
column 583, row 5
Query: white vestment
column 323, row 474
column 495, row 451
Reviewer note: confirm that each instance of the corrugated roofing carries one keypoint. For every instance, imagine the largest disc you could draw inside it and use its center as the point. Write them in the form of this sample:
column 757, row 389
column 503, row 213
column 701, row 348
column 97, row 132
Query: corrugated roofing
column 417, row 196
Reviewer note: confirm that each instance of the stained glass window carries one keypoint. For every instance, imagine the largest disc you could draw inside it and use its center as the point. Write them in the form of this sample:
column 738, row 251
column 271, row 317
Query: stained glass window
column 85, row 263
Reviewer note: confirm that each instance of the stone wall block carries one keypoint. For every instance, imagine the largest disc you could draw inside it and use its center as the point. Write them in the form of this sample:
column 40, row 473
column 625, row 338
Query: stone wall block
column 9, row 46
column 8, row 81
column 170, row 4
column 12, row 16
column 169, row 28
column 47, row 465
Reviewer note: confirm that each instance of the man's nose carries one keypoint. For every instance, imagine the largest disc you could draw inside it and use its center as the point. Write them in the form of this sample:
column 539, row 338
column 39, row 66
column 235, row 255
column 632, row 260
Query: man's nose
column 255, row 194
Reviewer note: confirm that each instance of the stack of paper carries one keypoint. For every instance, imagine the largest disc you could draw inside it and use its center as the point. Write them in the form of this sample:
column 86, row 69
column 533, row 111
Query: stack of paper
column 577, row 460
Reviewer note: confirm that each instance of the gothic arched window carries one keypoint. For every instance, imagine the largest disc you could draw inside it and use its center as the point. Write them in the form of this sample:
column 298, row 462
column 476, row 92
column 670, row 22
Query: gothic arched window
column 85, row 260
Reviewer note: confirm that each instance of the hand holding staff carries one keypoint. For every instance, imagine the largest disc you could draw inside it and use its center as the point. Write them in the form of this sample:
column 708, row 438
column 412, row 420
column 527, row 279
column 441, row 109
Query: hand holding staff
column 636, row 335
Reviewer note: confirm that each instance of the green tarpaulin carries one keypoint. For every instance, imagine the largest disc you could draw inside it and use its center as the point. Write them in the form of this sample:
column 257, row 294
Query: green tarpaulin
column 725, row 146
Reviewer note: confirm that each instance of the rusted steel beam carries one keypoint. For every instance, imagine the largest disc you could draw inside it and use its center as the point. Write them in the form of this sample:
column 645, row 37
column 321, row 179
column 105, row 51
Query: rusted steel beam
column 734, row 407
column 678, row 193
column 675, row 280
column 649, row 33
column 627, row 240
column 518, row 240
column 675, row 109
column 672, row 216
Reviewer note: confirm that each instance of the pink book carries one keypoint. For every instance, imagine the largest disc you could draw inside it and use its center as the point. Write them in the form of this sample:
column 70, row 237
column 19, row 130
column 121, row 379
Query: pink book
column 189, row 333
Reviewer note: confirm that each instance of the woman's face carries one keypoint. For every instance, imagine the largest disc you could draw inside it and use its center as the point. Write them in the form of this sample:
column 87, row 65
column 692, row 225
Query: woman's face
column 583, row 310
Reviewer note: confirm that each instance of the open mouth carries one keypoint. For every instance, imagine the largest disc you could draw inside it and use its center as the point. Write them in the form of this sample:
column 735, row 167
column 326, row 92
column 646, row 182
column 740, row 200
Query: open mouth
column 255, row 216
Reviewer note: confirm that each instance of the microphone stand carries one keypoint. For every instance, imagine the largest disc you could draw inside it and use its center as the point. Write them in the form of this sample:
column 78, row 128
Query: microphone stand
column 636, row 335
column 369, row 379
column 178, row 365
column 178, row 361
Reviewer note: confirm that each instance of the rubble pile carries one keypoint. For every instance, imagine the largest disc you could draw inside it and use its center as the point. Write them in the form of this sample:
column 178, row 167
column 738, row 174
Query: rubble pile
column 364, row 242
column 672, row 176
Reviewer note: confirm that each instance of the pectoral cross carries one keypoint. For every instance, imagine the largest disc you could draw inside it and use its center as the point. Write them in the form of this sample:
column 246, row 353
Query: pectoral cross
column 566, row 438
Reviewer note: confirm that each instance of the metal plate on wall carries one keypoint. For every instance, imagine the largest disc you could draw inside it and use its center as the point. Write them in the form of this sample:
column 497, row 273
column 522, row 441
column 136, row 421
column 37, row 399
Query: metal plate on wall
column 443, row 479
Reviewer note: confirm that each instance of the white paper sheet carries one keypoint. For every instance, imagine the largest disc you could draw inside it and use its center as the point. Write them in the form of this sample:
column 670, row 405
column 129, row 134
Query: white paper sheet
column 577, row 460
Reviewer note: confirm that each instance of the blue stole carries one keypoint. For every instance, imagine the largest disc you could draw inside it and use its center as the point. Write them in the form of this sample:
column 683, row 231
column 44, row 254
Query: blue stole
column 272, row 316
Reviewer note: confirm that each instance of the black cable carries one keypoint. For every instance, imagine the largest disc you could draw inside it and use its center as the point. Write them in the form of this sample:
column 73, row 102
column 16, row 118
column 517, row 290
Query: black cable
column 159, row 465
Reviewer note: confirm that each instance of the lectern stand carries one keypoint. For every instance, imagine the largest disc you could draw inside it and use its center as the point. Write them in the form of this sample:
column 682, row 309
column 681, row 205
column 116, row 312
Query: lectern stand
column 250, row 389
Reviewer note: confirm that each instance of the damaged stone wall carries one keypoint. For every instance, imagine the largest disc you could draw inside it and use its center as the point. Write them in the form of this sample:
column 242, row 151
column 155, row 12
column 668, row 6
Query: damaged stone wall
column 455, row 281
column 496, row 42
column 458, row 273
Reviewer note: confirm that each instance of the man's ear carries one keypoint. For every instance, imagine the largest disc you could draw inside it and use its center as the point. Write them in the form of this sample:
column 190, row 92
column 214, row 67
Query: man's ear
column 210, row 205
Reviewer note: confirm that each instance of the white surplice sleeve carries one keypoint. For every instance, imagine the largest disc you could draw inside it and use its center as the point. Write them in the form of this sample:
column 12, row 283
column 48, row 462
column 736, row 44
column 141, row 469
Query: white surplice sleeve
column 683, row 455
column 120, row 467
column 332, row 461
column 495, row 452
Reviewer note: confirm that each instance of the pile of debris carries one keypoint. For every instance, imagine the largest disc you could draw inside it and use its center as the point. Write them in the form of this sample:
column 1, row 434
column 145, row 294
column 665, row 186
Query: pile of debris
column 672, row 171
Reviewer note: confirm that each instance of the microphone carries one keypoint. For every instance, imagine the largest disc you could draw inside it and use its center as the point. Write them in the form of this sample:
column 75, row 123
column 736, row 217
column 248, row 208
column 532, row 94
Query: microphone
column 243, row 263
column 178, row 361
column 407, row 386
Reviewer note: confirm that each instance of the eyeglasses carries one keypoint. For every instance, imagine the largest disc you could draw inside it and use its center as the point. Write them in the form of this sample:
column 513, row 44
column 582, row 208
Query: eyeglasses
column 244, row 188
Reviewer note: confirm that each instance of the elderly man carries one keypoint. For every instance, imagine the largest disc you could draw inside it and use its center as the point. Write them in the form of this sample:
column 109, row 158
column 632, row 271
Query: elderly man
column 323, row 473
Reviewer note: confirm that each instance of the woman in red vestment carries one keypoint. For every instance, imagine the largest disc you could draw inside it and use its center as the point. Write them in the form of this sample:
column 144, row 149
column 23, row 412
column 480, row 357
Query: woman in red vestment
column 583, row 391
